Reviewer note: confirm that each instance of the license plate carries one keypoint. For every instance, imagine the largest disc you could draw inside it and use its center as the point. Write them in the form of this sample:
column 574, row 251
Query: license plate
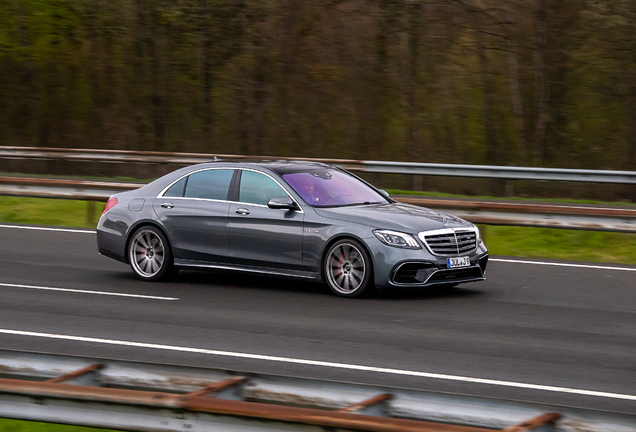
column 457, row 262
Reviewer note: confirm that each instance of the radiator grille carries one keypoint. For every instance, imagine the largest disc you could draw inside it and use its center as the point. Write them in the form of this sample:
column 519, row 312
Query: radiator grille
column 451, row 242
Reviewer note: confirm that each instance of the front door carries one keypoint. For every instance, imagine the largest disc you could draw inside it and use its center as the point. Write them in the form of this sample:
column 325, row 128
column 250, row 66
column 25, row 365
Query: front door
column 260, row 236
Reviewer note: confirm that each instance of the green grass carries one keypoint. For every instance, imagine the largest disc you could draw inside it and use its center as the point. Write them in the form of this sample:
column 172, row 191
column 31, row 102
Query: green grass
column 561, row 244
column 40, row 211
column 513, row 241
column 7, row 425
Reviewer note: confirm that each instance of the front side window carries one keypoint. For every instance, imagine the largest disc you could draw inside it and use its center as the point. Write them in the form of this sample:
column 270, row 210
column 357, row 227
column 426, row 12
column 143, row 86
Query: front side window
column 257, row 188
column 210, row 184
column 328, row 187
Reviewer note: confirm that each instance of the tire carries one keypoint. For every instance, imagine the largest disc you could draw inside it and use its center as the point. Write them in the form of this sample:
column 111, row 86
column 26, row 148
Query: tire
column 150, row 255
column 347, row 269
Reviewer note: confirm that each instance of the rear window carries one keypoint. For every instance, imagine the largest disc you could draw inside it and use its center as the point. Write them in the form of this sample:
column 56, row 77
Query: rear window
column 209, row 184
column 176, row 190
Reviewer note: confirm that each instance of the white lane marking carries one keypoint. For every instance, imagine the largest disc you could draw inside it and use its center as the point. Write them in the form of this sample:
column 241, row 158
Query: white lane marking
column 563, row 264
column 87, row 292
column 322, row 363
column 48, row 229
column 491, row 259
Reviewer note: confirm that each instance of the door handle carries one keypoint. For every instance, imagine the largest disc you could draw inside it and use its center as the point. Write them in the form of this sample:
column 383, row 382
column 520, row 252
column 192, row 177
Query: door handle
column 242, row 211
column 167, row 205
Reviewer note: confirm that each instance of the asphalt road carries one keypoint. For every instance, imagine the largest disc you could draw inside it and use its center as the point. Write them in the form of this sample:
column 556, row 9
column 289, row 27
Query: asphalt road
column 527, row 325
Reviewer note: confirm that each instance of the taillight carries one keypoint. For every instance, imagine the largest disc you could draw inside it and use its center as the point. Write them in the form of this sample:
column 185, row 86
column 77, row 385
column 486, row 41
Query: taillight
column 112, row 202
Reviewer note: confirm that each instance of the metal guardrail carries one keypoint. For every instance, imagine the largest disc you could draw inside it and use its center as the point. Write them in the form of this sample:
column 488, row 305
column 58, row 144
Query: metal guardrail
column 141, row 397
column 501, row 172
column 480, row 212
column 527, row 214
column 86, row 190
column 410, row 168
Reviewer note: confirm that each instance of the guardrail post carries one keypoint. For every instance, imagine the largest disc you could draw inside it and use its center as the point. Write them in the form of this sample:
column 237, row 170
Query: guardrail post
column 418, row 182
column 509, row 188
column 83, row 376
column 544, row 422
column 90, row 213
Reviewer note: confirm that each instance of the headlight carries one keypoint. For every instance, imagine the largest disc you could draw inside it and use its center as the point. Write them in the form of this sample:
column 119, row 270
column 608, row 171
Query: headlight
column 397, row 239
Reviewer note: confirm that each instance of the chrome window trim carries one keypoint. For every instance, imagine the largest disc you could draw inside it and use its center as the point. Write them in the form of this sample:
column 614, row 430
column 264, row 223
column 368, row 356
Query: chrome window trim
column 300, row 209
column 198, row 199
column 422, row 236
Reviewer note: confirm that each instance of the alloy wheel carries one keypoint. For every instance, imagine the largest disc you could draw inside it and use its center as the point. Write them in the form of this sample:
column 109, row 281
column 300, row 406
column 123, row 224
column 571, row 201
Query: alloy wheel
column 147, row 253
column 346, row 268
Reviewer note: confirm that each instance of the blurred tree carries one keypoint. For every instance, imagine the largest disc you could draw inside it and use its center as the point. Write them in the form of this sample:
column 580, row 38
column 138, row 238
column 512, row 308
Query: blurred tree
column 544, row 82
column 609, row 50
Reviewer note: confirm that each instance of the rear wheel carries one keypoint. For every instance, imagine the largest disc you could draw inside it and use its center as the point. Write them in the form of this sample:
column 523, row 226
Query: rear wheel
column 150, row 255
column 347, row 268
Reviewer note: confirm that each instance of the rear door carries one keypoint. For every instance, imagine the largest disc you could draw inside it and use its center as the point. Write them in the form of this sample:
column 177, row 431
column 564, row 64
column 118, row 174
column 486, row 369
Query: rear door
column 260, row 236
column 195, row 212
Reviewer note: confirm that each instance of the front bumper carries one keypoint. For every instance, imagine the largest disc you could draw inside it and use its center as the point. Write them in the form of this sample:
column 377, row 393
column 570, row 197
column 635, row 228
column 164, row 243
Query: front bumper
column 422, row 273
column 394, row 267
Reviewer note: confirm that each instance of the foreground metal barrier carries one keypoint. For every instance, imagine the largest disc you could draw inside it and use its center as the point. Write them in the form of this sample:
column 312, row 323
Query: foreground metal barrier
column 481, row 212
column 143, row 397
column 388, row 167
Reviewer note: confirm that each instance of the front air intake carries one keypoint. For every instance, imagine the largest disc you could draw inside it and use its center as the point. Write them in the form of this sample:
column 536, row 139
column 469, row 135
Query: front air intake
column 413, row 273
column 457, row 275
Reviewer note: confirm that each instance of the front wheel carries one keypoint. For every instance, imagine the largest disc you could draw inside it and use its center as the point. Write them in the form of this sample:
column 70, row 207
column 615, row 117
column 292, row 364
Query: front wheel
column 348, row 269
column 149, row 254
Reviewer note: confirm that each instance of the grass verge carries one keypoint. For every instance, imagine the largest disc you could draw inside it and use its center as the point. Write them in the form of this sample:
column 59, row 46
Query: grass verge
column 514, row 241
column 606, row 247
column 56, row 212
column 8, row 425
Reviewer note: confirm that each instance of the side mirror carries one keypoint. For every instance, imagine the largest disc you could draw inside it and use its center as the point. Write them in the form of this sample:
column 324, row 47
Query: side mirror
column 283, row 203
column 383, row 192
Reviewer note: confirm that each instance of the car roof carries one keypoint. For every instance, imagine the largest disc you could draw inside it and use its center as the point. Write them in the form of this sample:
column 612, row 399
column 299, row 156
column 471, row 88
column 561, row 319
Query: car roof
column 280, row 166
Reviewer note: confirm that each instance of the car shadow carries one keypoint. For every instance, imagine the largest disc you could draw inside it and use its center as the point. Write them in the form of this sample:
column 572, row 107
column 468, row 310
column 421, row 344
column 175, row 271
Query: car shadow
column 429, row 293
column 226, row 279
column 249, row 281
column 277, row 284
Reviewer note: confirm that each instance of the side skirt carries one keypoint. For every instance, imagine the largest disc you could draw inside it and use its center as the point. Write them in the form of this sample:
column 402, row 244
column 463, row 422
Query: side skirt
column 189, row 264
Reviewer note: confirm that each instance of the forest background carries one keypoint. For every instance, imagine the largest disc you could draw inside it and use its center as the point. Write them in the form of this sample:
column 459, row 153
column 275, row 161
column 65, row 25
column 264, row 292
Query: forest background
column 519, row 82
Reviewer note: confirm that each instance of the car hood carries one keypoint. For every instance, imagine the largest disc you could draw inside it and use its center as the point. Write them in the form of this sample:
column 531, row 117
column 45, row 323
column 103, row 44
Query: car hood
column 395, row 216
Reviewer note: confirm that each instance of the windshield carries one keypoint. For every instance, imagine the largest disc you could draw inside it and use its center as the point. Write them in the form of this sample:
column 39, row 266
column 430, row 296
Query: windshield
column 331, row 188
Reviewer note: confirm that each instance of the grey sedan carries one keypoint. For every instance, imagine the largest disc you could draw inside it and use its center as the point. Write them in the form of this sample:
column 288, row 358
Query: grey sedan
column 294, row 219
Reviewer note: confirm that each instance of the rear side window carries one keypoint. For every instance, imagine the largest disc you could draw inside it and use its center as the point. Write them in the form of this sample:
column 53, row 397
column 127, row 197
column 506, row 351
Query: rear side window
column 259, row 189
column 209, row 184
column 176, row 190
